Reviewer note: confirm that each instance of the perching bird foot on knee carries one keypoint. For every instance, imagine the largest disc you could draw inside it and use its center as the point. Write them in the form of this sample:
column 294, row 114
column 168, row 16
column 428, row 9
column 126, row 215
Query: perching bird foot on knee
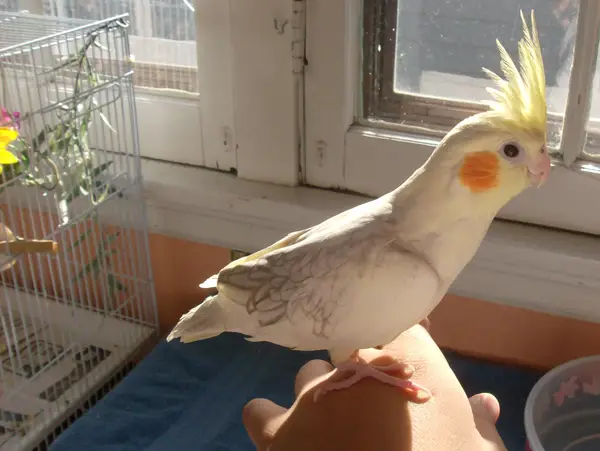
column 397, row 375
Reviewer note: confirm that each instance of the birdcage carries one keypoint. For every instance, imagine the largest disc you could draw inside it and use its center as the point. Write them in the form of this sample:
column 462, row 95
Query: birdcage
column 76, row 298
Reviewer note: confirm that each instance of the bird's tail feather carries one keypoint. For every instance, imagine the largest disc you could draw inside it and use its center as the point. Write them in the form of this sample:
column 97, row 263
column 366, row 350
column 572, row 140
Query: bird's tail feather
column 211, row 282
column 204, row 321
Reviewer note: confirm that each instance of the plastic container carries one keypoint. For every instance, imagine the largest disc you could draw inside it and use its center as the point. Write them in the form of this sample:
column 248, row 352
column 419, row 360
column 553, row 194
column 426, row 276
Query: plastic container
column 563, row 409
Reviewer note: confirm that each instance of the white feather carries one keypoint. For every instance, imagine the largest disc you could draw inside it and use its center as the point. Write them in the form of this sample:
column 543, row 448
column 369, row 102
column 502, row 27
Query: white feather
column 211, row 282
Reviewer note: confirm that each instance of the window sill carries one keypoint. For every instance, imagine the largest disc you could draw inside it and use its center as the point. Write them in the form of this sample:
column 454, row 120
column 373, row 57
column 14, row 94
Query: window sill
column 563, row 202
column 521, row 265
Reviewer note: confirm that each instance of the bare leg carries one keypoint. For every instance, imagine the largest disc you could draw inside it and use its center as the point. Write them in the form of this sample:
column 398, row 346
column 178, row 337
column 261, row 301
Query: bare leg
column 397, row 375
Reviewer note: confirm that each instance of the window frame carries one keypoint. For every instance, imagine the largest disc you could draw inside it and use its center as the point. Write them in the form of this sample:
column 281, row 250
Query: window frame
column 281, row 117
column 344, row 151
column 405, row 111
column 164, row 113
column 246, row 117
column 177, row 111
column 255, row 79
column 250, row 87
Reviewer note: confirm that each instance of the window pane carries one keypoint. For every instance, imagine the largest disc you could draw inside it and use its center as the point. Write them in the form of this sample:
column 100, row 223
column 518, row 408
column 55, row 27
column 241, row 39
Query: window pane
column 90, row 9
column 172, row 19
column 592, row 148
column 442, row 45
column 162, row 35
column 9, row 5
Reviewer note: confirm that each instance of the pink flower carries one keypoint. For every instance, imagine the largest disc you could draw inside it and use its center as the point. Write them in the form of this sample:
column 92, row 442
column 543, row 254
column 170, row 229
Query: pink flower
column 9, row 120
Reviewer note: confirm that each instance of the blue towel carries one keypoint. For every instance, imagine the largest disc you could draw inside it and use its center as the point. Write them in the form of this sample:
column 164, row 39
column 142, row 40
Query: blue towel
column 190, row 397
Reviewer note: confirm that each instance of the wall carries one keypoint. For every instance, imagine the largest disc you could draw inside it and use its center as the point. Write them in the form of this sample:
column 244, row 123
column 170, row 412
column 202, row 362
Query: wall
column 469, row 326
column 179, row 266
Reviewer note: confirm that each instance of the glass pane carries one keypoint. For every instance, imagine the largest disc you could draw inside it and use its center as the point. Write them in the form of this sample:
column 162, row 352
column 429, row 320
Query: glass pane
column 9, row 5
column 592, row 148
column 172, row 19
column 93, row 10
column 162, row 35
column 442, row 45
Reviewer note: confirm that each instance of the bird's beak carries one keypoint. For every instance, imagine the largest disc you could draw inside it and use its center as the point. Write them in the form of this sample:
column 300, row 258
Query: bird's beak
column 539, row 169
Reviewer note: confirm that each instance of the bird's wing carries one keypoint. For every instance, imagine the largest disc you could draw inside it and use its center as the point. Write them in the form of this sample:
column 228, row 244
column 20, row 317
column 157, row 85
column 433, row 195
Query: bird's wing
column 316, row 277
column 320, row 231
column 291, row 238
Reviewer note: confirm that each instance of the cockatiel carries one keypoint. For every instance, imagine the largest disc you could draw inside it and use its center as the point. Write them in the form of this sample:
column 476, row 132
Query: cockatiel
column 362, row 277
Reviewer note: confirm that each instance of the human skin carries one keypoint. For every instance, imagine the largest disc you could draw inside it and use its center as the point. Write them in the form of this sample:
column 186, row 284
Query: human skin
column 374, row 416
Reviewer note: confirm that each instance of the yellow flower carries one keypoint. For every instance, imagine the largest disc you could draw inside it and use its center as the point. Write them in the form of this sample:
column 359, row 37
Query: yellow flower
column 7, row 135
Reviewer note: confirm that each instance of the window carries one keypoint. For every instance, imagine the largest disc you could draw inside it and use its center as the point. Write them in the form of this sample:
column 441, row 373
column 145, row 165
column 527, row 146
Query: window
column 423, row 59
column 163, row 46
column 401, row 73
column 352, row 96
column 162, row 34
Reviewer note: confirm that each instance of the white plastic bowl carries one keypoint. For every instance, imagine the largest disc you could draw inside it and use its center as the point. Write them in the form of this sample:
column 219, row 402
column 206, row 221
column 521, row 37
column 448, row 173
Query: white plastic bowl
column 562, row 412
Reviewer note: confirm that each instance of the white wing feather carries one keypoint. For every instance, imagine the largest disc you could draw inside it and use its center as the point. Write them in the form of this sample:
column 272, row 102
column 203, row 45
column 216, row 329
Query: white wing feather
column 326, row 285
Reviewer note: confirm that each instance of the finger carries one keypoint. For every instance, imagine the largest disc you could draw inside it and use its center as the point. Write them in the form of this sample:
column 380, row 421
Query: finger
column 485, row 407
column 261, row 417
column 486, row 411
column 311, row 371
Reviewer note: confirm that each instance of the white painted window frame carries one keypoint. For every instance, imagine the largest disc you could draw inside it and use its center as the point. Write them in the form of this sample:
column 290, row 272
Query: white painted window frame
column 250, row 87
column 521, row 265
column 246, row 117
column 250, row 99
column 341, row 153
column 168, row 121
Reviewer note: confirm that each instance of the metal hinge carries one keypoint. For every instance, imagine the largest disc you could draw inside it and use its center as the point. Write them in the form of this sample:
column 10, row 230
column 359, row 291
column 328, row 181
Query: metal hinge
column 298, row 35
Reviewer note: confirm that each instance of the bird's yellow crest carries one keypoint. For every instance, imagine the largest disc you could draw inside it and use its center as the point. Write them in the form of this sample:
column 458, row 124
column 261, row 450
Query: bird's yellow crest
column 520, row 98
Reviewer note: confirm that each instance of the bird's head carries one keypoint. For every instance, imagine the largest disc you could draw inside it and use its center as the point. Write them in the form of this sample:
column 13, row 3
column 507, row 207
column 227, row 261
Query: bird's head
column 497, row 154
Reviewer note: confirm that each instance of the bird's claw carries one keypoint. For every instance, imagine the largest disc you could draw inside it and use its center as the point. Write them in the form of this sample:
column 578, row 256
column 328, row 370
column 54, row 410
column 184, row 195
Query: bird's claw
column 386, row 374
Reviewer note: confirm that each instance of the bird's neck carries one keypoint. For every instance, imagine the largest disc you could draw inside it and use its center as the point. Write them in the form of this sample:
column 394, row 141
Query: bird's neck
column 438, row 218
column 435, row 198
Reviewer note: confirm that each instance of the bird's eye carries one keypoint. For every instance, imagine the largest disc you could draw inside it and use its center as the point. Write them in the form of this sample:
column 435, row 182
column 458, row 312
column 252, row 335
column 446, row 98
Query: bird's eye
column 511, row 151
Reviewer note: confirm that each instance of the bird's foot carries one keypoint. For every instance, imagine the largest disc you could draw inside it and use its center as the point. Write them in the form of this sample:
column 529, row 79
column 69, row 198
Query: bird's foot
column 396, row 375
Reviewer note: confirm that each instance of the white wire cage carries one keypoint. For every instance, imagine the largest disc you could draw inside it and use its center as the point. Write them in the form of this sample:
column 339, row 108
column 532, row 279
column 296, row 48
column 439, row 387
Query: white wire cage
column 77, row 302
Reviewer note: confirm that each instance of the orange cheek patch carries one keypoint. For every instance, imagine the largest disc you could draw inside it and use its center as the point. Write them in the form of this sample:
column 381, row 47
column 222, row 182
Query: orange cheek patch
column 479, row 171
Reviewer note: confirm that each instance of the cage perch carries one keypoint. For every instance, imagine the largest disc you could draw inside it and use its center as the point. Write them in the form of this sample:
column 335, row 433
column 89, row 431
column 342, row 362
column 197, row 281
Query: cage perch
column 16, row 245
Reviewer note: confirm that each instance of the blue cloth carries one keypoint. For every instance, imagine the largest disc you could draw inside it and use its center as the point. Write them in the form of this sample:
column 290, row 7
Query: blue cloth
column 190, row 397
